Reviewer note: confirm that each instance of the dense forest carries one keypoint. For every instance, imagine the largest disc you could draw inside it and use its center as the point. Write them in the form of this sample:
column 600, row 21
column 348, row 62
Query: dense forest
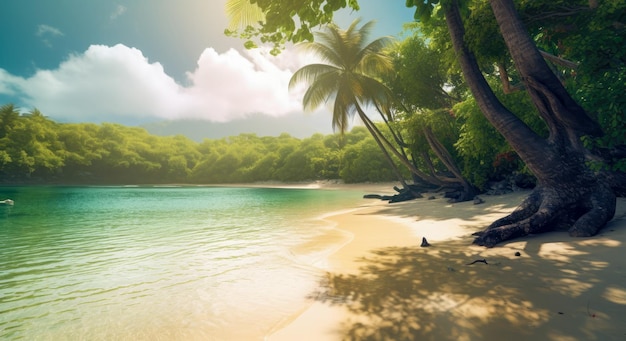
column 35, row 149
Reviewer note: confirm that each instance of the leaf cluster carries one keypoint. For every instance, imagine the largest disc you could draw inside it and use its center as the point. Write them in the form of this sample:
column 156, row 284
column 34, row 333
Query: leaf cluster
column 288, row 21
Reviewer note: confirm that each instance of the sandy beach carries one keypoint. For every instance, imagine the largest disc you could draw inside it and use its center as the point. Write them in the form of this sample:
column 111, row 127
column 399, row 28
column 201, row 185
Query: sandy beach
column 382, row 285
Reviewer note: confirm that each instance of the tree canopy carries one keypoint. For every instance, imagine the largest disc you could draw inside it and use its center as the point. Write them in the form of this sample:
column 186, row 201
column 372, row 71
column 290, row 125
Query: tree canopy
column 35, row 149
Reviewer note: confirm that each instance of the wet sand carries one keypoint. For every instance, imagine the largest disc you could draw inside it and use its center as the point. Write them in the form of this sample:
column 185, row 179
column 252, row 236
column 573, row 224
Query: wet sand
column 382, row 285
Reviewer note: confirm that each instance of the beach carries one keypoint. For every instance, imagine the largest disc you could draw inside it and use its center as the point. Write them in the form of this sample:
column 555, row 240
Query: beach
column 382, row 285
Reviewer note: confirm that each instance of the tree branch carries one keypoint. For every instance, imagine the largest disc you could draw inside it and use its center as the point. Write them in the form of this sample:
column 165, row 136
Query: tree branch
column 558, row 60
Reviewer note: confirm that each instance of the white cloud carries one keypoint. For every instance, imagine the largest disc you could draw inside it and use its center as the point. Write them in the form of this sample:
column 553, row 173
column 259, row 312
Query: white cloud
column 8, row 83
column 119, row 10
column 118, row 83
column 229, row 85
column 44, row 30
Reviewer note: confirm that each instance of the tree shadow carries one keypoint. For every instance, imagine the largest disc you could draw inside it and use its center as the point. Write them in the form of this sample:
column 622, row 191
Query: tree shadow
column 439, row 209
column 557, row 288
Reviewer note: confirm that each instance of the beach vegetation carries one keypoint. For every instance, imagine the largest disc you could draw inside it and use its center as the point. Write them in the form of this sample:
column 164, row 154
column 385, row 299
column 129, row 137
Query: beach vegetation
column 422, row 116
column 352, row 78
column 568, row 127
column 348, row 78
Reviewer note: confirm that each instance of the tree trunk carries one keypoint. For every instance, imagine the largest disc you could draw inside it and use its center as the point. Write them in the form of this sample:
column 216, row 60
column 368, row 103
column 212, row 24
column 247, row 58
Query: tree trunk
column 458, row 181
column 394, row 168
column 568, row 193
column 469, row 192
column 377, row 134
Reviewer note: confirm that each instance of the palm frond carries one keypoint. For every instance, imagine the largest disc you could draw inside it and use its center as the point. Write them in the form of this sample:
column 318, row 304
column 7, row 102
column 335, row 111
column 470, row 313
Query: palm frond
column 350, row 77
column 242, row 13
column 373, row 60
column 308, row 74
column 322, row 90
column 344, row 110
column 336, row 41
column 324, row 52
column 366, row 29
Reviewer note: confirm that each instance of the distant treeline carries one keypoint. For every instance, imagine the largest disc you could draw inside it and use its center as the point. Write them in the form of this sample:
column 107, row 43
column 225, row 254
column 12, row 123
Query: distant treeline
column 35, row 149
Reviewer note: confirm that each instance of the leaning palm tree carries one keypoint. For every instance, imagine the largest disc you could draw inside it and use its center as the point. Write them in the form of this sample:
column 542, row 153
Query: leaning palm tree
column 348, row 78
column 353, row 60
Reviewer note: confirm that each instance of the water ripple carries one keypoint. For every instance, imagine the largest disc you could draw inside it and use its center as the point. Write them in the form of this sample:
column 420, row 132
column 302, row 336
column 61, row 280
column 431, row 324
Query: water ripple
column 124, row 263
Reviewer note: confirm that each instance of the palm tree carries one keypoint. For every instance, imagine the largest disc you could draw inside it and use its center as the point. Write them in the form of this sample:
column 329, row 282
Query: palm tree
column 352, row 68
column 348, row 77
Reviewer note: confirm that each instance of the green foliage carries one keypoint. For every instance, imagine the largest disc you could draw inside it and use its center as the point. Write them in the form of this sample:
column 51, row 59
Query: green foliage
column 34, row 149
column 482, row 36
column 28, row 143
column 348, row 75
column 599, row 82
column 420, row 79
column 423, row 10
column 484, row 151
column 285, row 21
column 478, row 143
column 365, row 162
column 442, row 124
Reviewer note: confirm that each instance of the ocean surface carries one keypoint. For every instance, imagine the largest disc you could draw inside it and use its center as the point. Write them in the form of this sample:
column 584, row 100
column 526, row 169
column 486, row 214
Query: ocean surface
column 160, row 263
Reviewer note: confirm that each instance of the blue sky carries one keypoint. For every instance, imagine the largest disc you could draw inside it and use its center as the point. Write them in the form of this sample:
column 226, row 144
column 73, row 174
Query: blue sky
column 142, row 61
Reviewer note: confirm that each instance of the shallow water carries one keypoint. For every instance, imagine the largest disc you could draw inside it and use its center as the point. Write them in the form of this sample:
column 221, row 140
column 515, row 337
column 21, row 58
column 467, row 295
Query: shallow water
column 158, row 263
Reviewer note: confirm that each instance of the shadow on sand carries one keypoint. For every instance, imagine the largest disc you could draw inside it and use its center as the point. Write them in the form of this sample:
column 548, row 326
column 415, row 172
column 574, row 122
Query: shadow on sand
column 557, row 288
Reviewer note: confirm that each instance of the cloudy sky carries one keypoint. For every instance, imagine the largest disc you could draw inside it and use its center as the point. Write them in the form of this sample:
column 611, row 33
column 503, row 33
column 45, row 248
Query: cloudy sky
column 144, row 61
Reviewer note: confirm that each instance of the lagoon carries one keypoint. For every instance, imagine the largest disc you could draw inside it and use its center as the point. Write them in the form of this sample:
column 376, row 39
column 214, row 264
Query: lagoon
column 160, row 263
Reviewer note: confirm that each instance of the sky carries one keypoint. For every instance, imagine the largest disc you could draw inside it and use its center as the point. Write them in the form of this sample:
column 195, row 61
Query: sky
column 139, row 62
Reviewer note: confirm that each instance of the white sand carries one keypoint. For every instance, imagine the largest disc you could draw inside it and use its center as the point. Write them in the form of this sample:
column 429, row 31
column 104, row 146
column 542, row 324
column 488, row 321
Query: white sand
column 383, row 286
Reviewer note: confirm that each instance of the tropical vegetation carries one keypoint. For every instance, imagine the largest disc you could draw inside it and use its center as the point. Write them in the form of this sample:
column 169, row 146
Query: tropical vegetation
column 37, row 150
column 348, row 79
column 534, row 86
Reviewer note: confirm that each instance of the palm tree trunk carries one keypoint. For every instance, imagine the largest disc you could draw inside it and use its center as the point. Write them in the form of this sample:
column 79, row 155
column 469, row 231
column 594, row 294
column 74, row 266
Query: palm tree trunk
column 469, row 192
column 387, row 144
column 568, row 194
column 401, row 144
column 386, row 153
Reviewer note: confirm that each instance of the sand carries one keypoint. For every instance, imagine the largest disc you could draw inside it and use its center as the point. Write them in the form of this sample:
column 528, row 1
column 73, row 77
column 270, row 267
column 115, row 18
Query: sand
column 382, row 285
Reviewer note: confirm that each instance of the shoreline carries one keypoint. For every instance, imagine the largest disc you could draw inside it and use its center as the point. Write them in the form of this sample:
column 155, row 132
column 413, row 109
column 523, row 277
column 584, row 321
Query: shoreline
column 558, row 287
column 343, row 256
column 313, row 184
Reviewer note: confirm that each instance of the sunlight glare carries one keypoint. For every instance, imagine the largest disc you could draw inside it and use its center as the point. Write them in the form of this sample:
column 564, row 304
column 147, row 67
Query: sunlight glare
column 615, row 295
column 561, row 252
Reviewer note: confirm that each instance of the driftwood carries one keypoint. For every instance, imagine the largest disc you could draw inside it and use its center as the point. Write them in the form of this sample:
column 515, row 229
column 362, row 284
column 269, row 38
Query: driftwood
column 404, row 194
column 478, row 261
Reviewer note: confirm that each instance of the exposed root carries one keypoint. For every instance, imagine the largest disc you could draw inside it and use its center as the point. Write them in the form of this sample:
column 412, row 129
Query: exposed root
column 527, row 208
column 601, row 205
column 549, row 209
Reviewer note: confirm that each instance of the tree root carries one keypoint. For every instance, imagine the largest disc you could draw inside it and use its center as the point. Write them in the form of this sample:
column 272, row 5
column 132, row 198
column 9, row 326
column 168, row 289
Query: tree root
column 601, row 204
column 546, row 209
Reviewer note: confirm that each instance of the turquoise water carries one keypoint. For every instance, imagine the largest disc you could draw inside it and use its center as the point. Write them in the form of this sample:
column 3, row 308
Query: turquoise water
column 167, row 263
